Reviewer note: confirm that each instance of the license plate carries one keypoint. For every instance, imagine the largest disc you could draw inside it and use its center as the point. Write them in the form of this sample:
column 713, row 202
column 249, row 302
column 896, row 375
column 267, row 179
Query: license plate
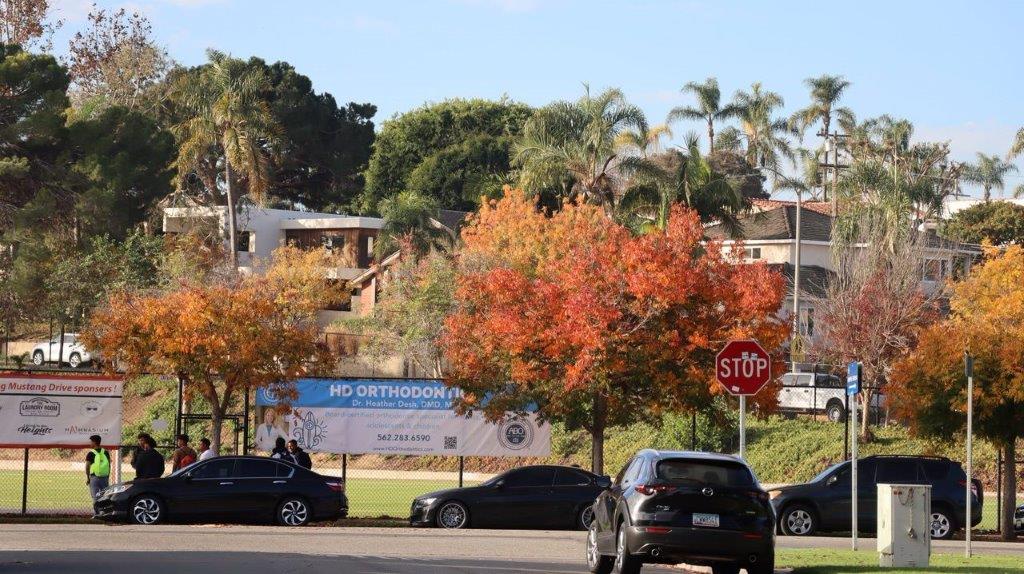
column 709, row 520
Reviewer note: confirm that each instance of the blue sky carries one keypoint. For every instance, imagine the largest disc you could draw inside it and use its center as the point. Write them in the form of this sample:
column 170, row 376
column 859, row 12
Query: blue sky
column 952, row 68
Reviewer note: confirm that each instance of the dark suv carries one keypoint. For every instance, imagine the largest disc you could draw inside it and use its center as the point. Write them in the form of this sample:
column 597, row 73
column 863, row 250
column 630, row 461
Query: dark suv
column 823, row 504
column 693, row 507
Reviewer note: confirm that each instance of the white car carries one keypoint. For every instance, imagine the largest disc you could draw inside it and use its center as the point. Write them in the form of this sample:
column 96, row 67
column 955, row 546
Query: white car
column 1018, row 519
column 817, row 393
column 73, row 353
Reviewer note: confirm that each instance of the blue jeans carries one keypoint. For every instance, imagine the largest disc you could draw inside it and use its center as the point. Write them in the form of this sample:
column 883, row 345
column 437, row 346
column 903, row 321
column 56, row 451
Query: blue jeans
column 97, row 484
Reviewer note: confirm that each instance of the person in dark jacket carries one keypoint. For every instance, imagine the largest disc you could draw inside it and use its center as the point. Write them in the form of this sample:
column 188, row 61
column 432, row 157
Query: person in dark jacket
column 297, row 455
column 280, row 451
column 147, row 462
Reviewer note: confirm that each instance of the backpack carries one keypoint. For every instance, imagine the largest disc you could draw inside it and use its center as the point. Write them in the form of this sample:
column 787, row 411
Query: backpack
column 100, row 463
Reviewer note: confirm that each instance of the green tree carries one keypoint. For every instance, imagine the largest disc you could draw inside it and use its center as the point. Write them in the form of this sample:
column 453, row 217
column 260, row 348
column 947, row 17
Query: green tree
column 999, row 222
column 572, row 147
column 410, row 220
column 826, row 91
column 990, row 173
column 454, row 151
column 708, row 108
column 761, row 133
column 1018, row 145
column 227, row 109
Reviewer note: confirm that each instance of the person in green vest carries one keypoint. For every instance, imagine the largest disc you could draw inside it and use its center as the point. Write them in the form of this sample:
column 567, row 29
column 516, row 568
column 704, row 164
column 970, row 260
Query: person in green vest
column 97, row 467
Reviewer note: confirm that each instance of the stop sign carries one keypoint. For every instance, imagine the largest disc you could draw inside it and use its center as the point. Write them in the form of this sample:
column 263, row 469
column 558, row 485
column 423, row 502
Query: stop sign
column 743, row 367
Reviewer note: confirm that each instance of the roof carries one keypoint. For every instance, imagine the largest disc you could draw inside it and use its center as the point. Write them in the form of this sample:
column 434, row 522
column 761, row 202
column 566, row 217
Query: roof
column 777, row 223
column 823, row 207
column 662, row 454
column 814, row 280
column 452, row 219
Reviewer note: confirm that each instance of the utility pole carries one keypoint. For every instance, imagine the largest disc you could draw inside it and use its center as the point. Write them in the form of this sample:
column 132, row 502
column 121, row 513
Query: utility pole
column 969, row 371
column 833, row 166
column 796, row 283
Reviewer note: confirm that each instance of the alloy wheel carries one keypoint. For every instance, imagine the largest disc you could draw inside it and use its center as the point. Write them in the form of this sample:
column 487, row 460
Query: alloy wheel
column 940, row 525
column 593, row 556
column 452, row 515
column 294, row 513
column 586, row 517
column 146, row 511
column 799, row 522
column 74, row 360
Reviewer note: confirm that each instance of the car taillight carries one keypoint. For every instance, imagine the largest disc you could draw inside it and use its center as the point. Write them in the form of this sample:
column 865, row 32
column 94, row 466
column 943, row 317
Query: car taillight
column 336, row 486
column 650, row 489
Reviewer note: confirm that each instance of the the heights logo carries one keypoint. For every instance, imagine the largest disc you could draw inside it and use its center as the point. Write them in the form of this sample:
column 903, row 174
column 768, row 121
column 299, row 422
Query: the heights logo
column 39, row 407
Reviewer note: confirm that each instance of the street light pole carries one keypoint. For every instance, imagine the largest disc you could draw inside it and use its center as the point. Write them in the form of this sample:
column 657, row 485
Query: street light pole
column 796, row 283
column 969, row 371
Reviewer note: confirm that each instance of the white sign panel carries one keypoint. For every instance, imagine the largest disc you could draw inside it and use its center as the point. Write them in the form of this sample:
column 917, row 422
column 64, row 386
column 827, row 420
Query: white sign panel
column 408, row 416
column 56, row 411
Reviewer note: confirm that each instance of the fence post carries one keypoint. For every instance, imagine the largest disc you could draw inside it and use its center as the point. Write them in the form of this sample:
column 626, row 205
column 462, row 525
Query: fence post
column 117, row 465
column 344, row 467
column 999, row 491
column 245, row 426
column 24, row 486
column 693, row 431
column 814, row 391
column 462, row 467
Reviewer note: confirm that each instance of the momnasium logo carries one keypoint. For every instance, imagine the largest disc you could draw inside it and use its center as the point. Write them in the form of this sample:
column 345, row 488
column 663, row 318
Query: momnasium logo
column 39, row 407
column 516, row 434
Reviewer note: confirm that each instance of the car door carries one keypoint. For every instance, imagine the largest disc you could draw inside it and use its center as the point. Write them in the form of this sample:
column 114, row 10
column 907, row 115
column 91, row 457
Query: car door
column 207, row 489
column 835, row 503
column 890, row 471
column 259, row 485
column 573, row 489
column 604, row 510
column 521, row 499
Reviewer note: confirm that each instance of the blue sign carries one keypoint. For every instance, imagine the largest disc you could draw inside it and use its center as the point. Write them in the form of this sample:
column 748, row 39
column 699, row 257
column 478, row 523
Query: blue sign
column 853, row 379
column 407, row 394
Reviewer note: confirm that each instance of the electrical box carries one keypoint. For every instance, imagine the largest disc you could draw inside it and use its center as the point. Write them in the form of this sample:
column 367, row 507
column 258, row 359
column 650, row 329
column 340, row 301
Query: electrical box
column 904, row 525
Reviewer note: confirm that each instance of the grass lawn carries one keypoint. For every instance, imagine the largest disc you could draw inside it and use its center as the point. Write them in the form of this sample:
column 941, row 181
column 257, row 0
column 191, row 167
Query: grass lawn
column 65, row 492
column 811, row 561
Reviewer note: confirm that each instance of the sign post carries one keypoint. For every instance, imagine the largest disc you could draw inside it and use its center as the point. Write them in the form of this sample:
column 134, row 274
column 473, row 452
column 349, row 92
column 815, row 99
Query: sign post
column 969, row 371
column 852, row 390
column 743, row 368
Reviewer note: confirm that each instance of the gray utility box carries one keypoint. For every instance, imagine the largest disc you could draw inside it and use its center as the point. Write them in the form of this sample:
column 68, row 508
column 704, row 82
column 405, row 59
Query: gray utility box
column 904, row 525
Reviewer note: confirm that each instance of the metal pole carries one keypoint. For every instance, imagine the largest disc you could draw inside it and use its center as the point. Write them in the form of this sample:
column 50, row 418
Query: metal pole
column 796, row 282
column 969, row 367
column 181, row 396
column 344, row 467
column 462, row 468
column 743, row 426
column 117, row 465
column 853, row 472
column 846, row 430
column 693, row 431
column 24, row 486
column 245, row 426
column 999, row 491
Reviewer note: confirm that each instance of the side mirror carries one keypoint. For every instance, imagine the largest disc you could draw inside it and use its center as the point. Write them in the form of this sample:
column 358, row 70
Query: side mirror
column 832, row 480
column 603, row 481
column 500, row 484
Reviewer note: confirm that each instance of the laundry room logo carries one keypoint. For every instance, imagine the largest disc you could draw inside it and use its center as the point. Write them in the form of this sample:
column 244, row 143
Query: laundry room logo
column 39, row 407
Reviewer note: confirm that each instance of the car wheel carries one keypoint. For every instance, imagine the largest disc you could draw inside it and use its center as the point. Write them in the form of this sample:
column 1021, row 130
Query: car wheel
column 597, row 563
column 37, row 358
column 75, row 360
column 585, row 517
column 943, row 525
column 625, row 563
column 725, row 569
column 294, row 511
column 452, row 515
column 798, row 520
column 147, row 509
column 835, row 412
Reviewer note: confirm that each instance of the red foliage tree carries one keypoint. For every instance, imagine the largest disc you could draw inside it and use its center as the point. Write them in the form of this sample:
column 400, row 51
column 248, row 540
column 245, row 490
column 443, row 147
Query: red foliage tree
column 595, row 326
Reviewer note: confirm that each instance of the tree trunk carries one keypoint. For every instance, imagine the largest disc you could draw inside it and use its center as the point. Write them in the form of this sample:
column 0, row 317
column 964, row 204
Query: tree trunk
column 1009, row 490
column 866, row 398
column 232, row 220
column 711, row 137
column 216, row 418
column 597, row 433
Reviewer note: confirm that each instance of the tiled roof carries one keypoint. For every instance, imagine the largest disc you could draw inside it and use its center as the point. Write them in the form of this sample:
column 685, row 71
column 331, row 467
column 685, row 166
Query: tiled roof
column 822, row 207
column 814, row 280
column 777, row 223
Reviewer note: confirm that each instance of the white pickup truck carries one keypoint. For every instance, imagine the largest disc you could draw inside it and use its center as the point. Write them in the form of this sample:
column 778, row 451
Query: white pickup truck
column 817, row 393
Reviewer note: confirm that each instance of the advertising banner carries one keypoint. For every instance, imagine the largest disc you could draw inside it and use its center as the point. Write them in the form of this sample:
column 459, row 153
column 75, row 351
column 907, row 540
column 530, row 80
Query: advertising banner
column 58, row 411
column 407, row 416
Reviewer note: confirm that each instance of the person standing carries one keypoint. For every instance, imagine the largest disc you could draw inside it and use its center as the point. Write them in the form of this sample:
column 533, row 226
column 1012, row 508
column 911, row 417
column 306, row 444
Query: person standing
column 97, row 467
column 205, row 452
column 184, row 455
column 297, row 455
column 280, row 450
column 147, row 462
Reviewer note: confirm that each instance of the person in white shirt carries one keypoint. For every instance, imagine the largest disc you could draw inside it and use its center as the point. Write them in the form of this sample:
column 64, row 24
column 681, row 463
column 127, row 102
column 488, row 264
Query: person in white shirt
column 268, row 432
column 205, row 452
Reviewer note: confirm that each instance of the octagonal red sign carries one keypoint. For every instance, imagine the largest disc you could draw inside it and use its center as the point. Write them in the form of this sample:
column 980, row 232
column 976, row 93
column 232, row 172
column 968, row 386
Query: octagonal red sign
column 743, row 367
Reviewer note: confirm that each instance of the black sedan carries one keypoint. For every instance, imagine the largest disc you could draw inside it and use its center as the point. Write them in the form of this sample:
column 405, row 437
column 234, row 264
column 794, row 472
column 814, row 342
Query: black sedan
column 671, row 507
column 228, row 487
column 528, row 497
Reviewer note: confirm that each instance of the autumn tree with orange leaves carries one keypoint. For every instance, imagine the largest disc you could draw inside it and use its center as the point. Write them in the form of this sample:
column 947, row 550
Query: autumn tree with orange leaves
column 929, row 386
column 596, row 326
column 225, row 337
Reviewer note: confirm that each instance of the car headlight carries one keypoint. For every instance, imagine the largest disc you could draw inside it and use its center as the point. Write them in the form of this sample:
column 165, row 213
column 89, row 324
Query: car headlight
column 773, row 493
column 116, row 489
column 427, row 501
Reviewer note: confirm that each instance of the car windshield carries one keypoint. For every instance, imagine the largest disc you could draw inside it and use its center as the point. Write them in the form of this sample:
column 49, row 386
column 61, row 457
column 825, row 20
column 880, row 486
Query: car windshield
column 719, row 473
column 827, row 471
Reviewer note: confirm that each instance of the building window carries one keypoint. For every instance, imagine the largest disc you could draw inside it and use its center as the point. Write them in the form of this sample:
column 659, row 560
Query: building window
column 752, row 252
column 332, row 242
column 936, row 269
column 807, row 321
column 243, row 240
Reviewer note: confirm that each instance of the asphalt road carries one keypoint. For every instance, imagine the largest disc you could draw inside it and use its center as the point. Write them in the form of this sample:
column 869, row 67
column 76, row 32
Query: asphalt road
column 104, row 549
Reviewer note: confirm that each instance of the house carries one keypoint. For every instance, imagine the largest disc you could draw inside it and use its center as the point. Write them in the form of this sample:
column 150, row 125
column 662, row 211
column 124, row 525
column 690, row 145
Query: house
column 768, row 234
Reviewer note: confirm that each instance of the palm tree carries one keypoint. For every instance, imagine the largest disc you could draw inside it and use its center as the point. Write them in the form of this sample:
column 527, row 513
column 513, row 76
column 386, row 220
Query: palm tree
column 410, row 217
column 708, row 107
column 764, row 134
column 228, row 116
column 572, row 146
column 825, row 94
column 1018, row 145
column 989, row 173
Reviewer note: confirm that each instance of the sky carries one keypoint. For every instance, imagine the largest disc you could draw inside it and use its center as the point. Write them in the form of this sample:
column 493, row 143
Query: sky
column 952, row 68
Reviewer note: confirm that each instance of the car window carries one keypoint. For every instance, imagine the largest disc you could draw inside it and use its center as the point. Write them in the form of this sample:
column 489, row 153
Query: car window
column 935, row 470
column 247, row 468
column 866, row 473
column 719, row 473
column 830, row 381
column 569, row 477
column 215, row 469
column 69, row 339
column 895, row 471
column 535, row 476
column 633, row 472
column 622, row 473
column 798, row 379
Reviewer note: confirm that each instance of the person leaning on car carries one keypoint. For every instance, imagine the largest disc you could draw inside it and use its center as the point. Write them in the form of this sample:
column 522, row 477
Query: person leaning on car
column 147, row 462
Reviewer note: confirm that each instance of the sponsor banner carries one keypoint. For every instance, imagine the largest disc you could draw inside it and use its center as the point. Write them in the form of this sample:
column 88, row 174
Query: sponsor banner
column 56, row 411
column 408, row 416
